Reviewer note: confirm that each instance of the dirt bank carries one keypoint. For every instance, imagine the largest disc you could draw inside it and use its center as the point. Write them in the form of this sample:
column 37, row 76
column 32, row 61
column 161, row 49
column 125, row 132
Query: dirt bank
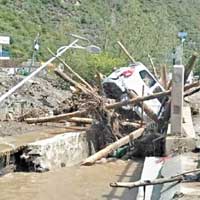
column 37, row 97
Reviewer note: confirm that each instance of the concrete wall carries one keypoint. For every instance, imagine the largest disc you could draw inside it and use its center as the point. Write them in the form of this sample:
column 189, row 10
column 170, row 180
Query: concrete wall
column 62, row 150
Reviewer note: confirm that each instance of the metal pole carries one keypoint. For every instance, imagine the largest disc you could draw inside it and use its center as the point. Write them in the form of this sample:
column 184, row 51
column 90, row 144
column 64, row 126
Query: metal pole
column 59, row 53
column 142, row 114
column 32, row 61
column 36, row 41
column 181, row 52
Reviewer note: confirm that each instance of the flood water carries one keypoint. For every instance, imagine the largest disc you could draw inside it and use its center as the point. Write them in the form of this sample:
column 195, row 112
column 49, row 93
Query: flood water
column 76, row 183
column 72, row 183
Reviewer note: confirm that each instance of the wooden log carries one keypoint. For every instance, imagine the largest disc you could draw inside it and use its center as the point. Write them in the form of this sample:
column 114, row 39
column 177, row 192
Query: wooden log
column 192, row 92
column 178, row 178
column 71, row 128
column 65, row 77
column 188, row 68
column 169, row 84
column 126, row 52
column 72, row 71
column 111, row 106
column 140, row 183
column 85, row 90
column 164, row 79
column 80, row 120
column 132, row 124
column 112, row 147
column 142, row 106
column 99, row 78
column 187, row 172
column 190, row 65
column 191, row 85
column 137, row 100
column 55, row 118
column 145, row 98
column 90, row 121
column 166, row 115
column 153, row 67
column 76, row 128
column 150, row 113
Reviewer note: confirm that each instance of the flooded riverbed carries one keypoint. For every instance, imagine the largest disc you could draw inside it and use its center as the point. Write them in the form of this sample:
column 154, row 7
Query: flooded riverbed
column 73, row 183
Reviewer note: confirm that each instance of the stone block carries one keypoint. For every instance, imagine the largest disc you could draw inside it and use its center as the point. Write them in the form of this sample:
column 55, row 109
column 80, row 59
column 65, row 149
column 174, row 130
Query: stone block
column 62, row 150
column 177, row 99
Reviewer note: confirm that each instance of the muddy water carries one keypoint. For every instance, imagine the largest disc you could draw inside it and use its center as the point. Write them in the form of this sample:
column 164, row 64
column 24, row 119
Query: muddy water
column 73, row 183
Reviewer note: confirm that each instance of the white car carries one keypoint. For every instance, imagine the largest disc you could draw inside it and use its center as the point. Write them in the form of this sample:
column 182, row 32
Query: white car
column 133, row 77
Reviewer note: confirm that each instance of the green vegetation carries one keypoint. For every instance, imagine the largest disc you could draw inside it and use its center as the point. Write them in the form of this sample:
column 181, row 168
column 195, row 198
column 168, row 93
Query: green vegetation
column 144, row 27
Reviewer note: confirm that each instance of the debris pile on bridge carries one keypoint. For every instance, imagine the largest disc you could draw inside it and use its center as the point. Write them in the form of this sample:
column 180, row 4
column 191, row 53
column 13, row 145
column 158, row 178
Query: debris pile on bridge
column 111, row 128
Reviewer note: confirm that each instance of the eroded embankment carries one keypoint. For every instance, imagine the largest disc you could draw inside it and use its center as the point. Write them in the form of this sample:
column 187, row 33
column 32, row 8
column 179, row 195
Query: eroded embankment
column 43, row 150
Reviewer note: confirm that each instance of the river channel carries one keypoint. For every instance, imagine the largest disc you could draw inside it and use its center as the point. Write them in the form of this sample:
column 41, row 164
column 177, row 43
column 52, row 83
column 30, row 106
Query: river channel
column 72, row 183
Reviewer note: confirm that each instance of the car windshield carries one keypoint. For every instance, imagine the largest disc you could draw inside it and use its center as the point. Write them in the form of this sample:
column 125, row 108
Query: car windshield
column 147, row 78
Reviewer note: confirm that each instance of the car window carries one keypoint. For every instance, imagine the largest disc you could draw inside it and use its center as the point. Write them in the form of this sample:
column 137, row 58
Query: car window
column 147, row 78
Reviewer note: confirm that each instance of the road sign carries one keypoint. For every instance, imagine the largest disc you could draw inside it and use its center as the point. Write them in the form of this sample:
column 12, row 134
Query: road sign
column 4, row 40
column 182, row 35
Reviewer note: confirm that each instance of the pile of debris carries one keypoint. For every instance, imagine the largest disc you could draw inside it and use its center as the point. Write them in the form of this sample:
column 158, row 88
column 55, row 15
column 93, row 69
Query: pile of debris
column 36, row 98
column 118, row 113
column 129, row 105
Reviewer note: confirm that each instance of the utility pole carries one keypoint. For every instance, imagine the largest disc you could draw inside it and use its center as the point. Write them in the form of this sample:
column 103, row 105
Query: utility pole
column 36, row 47
column 182, row 35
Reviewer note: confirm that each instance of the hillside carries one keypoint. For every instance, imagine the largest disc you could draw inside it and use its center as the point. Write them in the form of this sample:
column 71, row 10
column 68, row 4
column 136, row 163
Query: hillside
column 144, row 26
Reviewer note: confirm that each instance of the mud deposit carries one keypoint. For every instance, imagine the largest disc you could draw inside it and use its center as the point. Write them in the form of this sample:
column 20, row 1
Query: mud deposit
column 74, row 183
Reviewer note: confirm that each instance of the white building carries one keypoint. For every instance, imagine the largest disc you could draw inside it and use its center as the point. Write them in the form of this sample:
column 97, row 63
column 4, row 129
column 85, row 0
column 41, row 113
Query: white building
column 4, row 41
